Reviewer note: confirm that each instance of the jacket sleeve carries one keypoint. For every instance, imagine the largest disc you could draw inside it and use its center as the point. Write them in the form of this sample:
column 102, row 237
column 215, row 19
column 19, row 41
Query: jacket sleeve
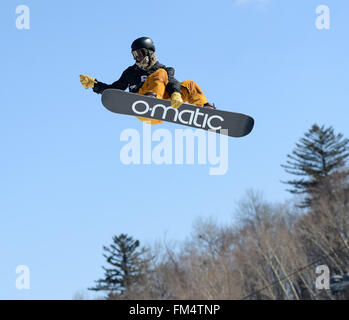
column 121, row 84
column 173, row 84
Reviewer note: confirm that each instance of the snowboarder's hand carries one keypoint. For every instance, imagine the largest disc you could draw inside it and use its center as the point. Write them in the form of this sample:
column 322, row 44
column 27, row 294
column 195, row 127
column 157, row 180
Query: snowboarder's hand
column 87, row 82
column 176, row 100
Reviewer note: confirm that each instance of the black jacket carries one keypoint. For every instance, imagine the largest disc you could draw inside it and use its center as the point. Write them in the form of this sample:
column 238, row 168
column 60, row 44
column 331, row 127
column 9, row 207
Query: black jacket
column 134, row 77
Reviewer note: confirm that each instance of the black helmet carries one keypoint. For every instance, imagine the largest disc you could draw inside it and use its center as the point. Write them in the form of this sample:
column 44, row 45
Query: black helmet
column 143, row 43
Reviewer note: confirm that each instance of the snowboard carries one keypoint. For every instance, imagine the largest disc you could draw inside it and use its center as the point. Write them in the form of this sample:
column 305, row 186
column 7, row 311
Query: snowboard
column 236, row 124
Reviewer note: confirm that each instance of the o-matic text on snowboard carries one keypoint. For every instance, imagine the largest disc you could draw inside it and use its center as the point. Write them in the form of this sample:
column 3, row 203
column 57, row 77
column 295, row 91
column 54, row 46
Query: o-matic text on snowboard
column 194, row 118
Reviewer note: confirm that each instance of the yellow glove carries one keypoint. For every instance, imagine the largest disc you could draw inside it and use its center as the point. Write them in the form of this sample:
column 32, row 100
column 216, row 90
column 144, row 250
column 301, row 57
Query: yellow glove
column 176, row 100
column 87, row 82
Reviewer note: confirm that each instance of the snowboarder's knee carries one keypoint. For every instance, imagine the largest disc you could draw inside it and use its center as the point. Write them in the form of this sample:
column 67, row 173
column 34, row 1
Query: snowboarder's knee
column 159, row 75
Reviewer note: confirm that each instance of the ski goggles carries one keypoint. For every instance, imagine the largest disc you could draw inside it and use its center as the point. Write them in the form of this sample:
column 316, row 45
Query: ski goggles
column 139, row 54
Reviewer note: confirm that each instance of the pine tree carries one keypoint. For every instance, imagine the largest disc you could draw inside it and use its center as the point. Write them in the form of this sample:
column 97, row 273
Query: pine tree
column 317, row 156
column 128, row 265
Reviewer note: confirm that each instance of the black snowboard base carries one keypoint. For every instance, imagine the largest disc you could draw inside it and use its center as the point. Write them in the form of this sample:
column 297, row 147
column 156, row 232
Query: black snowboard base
column 235, row 124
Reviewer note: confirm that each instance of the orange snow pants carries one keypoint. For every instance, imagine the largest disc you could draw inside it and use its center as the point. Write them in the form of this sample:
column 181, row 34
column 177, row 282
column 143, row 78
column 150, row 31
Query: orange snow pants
column 157, row 82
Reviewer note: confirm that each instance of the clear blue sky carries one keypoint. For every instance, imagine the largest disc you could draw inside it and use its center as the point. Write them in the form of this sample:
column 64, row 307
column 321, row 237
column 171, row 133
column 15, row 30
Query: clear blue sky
column 65, row 193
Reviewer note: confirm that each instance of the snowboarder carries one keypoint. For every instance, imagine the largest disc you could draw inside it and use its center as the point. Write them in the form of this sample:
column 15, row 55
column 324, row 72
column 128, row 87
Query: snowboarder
column 149, row 77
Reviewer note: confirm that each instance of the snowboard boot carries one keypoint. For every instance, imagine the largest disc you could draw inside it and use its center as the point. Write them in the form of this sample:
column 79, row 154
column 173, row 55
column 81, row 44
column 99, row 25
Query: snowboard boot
column 209, row 105
column 151, row 94
column 150, row 121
